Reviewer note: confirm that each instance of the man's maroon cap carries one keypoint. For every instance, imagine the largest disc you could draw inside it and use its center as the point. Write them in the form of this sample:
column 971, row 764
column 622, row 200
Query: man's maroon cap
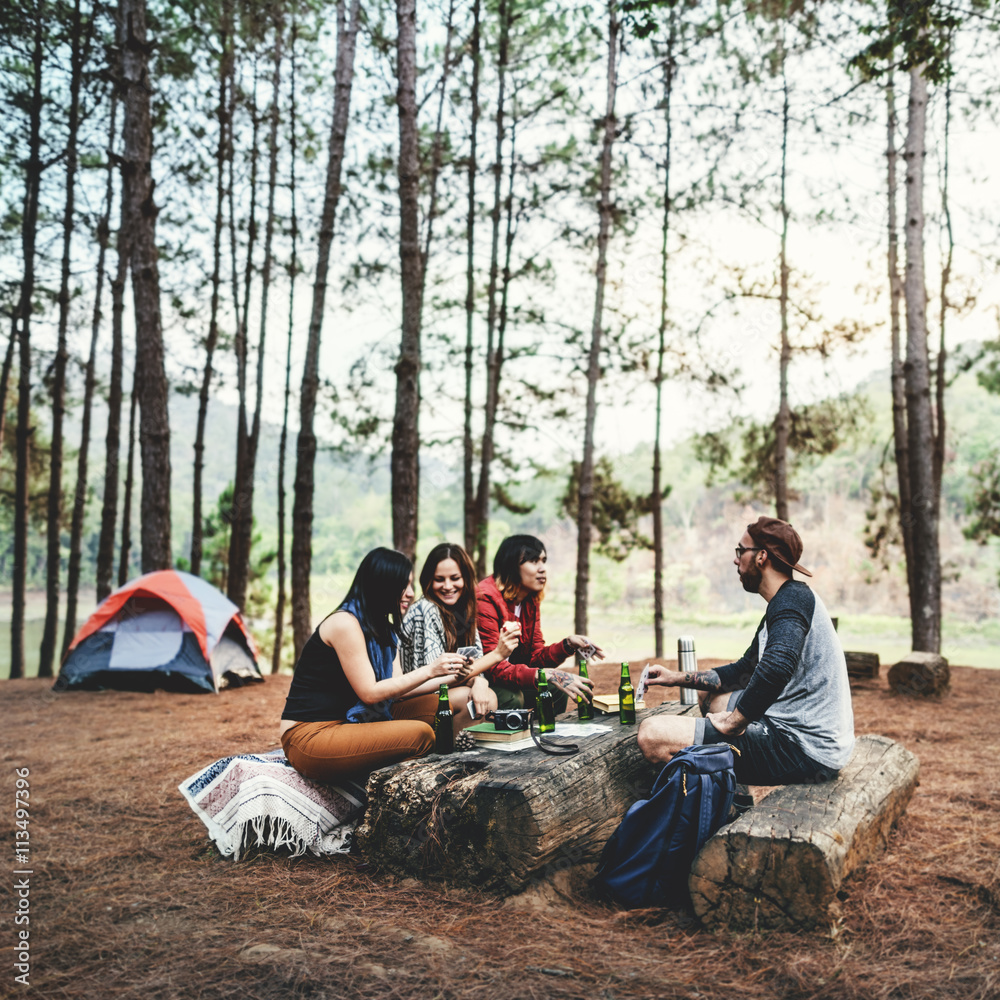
column 780, row 539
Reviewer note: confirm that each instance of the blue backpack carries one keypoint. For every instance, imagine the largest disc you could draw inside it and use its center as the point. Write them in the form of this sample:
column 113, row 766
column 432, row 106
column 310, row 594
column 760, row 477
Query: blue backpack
column 648, row 858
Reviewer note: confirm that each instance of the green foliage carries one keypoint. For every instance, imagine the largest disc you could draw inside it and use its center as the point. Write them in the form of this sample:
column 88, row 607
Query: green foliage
column 911, row 34
column 989, row 375
column 748, row 455
column 984, row 504
column 216, row 530
column 616, row 511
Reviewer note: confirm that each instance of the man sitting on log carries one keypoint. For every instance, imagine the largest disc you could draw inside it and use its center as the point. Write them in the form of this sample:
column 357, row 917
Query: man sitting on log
column 786, row 703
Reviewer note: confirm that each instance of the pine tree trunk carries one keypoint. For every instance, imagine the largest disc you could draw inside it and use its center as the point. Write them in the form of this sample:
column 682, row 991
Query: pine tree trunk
column 241, row 515
column 8, row 363
column 137, row 196
column 939, row 375
column 782, row 425
column 244, row 523
column 656, row 498
column 898, row 382
column 302, row 510
column 124, row 555
column 585, row 501
column 29, row 226
column 437, row 150
column 211, row 341
column 489, row 421
column 279, row 611
column 54, row 511
column 405, row 459
column 926, row 598
column 80, row 495
column 112, row 441
column 468, row 455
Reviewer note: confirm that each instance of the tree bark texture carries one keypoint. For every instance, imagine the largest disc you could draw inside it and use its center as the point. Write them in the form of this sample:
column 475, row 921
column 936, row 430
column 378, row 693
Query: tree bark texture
column 241, row 510
column 279, row 608
column 585, row 502
column 112, row 440
column 656, row 498
column 405, row 459
column 782, row 424
column 302, row 510
column 54, row 507
column 482, row 509
column 137, row 196
column 923, row 512
column 80, row 494
column 223, row 147
column 898, row 379
column 437, row 150
column 239, row 569
column 780, row 865
column 468, row 454
column 940, row 437
column 8, row 363
column 29, row 227
column 530, row 816
column 124, row 555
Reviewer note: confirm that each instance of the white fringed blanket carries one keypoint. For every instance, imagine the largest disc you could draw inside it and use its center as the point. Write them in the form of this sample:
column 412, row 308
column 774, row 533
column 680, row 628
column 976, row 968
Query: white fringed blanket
column 260, row 800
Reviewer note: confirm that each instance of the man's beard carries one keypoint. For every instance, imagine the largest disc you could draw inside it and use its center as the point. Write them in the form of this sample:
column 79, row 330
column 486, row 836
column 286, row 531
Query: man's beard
column 751, row 579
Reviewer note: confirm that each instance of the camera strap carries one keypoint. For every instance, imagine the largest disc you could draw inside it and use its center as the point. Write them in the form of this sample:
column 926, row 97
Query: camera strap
column 547, row 745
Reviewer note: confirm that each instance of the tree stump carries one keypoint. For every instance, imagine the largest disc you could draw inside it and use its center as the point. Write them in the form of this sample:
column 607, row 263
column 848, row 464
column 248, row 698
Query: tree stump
column 501, row 821
column 862, row 665
column 780, row 865
column 920, row 675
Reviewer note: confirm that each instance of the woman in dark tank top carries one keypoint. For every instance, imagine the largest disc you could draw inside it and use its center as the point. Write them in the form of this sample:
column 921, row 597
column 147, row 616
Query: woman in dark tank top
column 342, row 716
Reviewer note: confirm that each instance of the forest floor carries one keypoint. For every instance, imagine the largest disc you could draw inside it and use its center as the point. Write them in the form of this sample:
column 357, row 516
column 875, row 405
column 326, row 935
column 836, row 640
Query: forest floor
column 129, row 899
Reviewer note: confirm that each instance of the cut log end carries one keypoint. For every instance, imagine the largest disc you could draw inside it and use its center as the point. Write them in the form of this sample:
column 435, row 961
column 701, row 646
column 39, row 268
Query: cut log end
column 920, row 675
column 781, row 865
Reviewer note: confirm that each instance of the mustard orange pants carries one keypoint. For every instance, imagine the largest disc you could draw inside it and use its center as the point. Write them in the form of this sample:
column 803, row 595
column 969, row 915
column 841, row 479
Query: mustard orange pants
column 326, row 751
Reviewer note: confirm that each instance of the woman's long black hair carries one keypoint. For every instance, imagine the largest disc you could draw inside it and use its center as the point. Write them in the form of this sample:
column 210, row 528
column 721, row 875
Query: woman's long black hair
column 378, row 584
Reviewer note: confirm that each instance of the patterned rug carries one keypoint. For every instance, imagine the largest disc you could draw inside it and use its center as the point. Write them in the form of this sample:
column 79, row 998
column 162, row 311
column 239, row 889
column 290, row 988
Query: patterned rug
column 259, row 800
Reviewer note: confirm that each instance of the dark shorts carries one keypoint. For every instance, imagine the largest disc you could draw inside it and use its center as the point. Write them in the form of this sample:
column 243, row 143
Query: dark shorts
column 767, row 755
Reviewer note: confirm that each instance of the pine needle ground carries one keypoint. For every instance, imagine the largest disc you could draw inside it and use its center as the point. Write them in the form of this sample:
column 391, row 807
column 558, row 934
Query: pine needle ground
column 129, row 899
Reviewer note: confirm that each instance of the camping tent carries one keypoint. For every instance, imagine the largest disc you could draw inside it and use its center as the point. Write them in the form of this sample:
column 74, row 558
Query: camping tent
column 166, row 629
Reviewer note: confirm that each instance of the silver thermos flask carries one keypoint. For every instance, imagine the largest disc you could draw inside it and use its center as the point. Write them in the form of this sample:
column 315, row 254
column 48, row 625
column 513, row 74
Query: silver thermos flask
column 688, row 662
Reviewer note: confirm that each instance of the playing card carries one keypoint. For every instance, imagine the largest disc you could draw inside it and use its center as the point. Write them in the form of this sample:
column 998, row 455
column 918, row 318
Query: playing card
column 642, row 685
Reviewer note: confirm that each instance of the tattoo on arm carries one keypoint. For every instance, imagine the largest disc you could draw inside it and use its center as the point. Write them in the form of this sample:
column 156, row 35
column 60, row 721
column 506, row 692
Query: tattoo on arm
column 705, row 680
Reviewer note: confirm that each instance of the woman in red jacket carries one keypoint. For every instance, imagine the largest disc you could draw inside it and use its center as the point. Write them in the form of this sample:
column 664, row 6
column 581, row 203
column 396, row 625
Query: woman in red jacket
column 513, row 594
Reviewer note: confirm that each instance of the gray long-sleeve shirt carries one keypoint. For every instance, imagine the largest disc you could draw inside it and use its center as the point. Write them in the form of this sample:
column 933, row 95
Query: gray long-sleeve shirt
column 795, row 675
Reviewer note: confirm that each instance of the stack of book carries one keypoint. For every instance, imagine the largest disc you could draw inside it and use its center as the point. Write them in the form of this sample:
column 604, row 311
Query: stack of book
column 608, row 703
column 486, row 732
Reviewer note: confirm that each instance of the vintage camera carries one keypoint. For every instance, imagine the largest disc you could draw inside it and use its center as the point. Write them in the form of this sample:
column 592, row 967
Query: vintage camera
column 511, row 720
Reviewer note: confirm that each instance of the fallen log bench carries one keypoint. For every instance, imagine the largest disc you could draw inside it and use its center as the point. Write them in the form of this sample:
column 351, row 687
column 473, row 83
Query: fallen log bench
column 503, row 821
column 780, row 865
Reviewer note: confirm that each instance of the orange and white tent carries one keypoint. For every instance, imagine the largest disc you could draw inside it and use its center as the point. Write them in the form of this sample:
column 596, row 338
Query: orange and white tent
column 166, row 629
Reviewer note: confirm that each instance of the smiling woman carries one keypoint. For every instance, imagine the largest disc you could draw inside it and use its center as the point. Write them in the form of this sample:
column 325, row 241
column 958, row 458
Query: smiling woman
column 443, row 622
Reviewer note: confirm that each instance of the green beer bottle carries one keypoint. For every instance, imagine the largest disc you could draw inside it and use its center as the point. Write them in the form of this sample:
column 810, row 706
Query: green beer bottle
column 444, row 733
column 584, row 709
column 626, row 698
column 545, row 704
